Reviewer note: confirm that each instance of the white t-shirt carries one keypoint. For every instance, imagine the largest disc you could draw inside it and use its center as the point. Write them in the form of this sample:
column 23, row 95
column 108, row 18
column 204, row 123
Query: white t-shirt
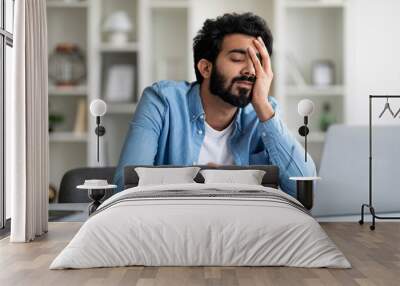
column 215, row 147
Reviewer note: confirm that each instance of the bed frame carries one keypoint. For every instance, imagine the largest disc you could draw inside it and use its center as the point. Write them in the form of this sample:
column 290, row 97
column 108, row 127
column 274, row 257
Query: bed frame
column 75, row 177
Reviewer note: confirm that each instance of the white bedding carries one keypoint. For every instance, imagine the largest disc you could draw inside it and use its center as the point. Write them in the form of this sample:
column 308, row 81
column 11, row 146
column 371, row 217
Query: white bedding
column 189, row 230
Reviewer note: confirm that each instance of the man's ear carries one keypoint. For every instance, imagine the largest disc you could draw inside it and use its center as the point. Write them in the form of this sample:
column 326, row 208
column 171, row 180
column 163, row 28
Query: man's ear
column 205, row 68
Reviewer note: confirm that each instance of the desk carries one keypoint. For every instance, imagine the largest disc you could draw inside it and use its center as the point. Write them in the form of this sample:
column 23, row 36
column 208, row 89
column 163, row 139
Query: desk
column 68, row 212
column 305, row 190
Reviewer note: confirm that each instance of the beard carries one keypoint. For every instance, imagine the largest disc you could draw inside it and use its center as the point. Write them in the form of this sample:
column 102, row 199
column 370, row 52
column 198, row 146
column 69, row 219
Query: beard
column 217, row 87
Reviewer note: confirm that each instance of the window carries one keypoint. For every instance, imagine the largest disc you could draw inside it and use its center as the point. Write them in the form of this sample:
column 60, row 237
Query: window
column 6, row 44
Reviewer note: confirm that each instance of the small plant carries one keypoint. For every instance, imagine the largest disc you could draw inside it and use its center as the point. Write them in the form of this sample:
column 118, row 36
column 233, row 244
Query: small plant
column 55, row 119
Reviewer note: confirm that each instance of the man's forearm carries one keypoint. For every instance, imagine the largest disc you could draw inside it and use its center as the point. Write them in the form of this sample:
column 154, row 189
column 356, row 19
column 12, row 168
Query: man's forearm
column 264, row 111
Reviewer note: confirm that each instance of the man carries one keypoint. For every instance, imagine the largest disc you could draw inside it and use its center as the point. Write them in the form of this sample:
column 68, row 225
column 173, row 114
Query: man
column 225, row 117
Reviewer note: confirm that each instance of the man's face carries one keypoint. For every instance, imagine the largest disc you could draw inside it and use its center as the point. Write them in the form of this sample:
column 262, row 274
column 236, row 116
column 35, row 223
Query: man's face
column 233, row 75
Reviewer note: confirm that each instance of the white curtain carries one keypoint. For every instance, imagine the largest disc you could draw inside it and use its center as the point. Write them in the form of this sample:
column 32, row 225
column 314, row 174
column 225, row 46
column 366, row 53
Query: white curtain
column 27, row 124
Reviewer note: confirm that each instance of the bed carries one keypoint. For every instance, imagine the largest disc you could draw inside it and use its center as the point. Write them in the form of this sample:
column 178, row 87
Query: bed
column 198, row 224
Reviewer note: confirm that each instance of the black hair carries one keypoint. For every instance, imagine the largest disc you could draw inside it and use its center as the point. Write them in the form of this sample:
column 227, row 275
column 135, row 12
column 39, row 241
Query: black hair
column 208, row 41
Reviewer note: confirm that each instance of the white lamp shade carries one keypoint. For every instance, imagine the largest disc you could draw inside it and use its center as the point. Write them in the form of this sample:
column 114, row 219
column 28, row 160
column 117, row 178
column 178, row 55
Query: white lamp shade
column 98, row 107
column 305, row 107
column 118, row 22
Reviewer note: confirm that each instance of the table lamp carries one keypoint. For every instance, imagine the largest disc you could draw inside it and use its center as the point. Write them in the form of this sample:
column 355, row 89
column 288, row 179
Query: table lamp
column 96, row 188
column 304, row 185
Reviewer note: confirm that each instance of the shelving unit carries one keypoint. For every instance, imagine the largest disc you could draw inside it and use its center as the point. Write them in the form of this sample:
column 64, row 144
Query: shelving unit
column 129, row 47
column 169, row 30
column 105, row 55
column 309, row 90
column 157, row 48
column 66, row 4
column 80, row 90
column 67, row 23
column 307, row 31
column 169, row 4
column 68, row 137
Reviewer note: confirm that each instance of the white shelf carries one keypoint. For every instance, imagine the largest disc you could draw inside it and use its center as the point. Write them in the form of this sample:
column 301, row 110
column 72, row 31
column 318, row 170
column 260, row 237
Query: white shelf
column 169, row 4
column 121, row 108
column 334, row 90
column 128, row 47
column 314, row 3
column 68, row 137
column 66, row 4
column 79, row 90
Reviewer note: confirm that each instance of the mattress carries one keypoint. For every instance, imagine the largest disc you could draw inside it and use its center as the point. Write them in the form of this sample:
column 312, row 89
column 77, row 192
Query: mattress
column 201, row 225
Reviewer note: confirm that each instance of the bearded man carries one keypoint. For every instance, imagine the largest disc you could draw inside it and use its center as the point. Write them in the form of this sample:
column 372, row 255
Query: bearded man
column 226, row 117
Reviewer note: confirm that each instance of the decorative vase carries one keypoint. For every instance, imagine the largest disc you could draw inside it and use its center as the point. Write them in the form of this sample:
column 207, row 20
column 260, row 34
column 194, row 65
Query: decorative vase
column 118, row 38
column 323, row 73
column 118, row 25
column 67, row 65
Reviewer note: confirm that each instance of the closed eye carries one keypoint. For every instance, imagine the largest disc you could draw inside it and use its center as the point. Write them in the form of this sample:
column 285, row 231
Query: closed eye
column 237, row 55
column 235, row 60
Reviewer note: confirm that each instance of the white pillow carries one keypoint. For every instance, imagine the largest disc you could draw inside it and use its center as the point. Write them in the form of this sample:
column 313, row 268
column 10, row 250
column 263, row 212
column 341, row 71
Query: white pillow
column 165, row 176
column 248, row 177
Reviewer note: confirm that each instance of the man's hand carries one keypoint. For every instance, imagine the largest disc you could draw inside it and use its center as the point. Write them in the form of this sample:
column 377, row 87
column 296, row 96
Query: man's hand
column 262, row 85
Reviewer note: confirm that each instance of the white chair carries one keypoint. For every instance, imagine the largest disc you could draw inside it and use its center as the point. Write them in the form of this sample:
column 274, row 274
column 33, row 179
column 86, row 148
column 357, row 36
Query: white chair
column 344, row 171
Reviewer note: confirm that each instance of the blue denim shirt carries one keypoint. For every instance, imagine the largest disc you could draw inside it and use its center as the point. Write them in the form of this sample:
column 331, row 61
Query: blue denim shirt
column 167, row 128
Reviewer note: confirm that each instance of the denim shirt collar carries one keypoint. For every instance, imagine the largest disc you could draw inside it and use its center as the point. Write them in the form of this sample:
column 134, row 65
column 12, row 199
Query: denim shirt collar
column 196, row 106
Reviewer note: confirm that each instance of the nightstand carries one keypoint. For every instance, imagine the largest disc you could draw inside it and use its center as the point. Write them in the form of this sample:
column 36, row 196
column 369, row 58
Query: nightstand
column 305, row 190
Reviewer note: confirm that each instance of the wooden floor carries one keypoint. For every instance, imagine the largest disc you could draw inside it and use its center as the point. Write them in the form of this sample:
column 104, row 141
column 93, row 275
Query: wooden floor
column 374, row 255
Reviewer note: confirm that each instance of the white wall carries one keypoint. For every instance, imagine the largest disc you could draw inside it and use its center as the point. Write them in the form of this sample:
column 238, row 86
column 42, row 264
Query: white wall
column 373, row 58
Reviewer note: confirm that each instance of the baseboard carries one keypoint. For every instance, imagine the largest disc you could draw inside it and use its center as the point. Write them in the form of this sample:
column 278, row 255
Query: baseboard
column 354, row 218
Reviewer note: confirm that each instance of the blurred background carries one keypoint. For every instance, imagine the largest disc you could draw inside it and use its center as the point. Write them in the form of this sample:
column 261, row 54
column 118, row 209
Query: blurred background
column 334, row 52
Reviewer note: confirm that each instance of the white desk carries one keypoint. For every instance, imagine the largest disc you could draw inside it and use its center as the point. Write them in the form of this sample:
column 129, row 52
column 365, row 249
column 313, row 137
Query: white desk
column 305, row 190
column 68, row 212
